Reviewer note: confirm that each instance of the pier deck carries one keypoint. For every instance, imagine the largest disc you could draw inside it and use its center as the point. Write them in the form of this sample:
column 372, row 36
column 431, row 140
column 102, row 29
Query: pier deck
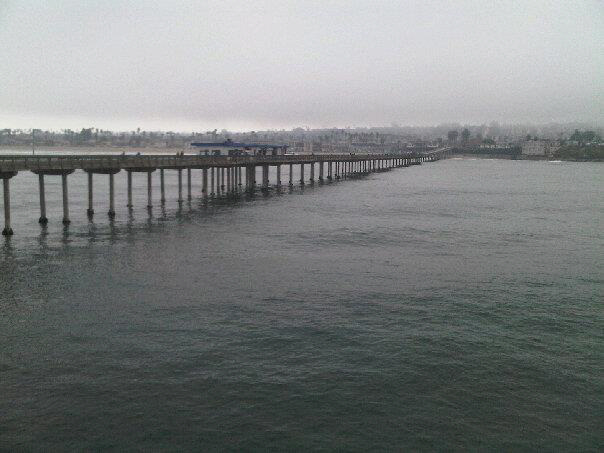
column 221, row 175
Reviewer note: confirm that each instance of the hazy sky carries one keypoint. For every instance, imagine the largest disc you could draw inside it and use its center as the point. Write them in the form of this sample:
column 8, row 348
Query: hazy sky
column 197, row 65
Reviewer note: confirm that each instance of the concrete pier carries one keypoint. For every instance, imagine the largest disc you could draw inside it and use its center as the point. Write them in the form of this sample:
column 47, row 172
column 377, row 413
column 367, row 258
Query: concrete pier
column 338, row 166
column 43, row 220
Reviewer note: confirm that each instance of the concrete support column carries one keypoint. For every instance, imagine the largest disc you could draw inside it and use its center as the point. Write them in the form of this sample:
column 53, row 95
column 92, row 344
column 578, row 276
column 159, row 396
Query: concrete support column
column 129, row 184
column 149, row 190
column 7, row 231
column 265, row 177
column 66, row 220
column 222, row 179
column 329, row 170
column 278, row 175
column 228, row 175
column 239, row 170
column 180, row 185
column 111, row 212
column 189, row 184
column 301, row 174
column 43, row 219
column 291, row 174
column 90, row 210
column 312, row 172
column 204, row 182
column 321, row 171
column 212, row 181
column 162, row 186
column 248, row 178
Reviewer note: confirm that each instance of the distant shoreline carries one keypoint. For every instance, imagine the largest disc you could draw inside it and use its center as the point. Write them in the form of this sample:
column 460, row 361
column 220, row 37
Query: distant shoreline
column 521, row 157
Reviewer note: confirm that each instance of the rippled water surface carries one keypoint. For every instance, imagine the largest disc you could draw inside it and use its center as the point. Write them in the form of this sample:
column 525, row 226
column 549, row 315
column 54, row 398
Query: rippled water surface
column 454, row 305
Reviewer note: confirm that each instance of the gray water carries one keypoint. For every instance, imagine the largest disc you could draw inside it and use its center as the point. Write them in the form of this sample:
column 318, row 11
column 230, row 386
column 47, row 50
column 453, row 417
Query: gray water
column 449, row 306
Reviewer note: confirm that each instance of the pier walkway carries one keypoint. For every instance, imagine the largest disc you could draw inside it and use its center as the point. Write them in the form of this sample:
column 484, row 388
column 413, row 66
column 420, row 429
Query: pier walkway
column 220, row 175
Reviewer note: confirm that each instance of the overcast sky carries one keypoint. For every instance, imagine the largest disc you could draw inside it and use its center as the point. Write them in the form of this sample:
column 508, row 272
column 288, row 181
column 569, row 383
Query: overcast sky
column 201, row 65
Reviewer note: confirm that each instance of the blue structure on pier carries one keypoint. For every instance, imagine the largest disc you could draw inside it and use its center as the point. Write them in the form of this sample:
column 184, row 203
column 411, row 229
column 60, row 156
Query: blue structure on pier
column 232, row 148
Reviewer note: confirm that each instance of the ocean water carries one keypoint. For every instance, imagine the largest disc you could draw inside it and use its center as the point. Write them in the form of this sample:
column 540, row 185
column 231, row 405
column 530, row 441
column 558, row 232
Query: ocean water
column 456, row 305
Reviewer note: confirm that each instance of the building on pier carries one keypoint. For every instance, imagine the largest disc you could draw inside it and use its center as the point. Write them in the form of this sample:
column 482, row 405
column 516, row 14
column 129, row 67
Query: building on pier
column 231, row 148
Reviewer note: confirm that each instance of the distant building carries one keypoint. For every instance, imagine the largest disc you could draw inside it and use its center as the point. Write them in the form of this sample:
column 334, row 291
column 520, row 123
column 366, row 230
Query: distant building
column 539, row 147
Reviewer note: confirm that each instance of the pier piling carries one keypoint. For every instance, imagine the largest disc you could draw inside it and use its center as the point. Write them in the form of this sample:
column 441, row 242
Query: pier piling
column 162, row 187
column 189, row 184
column 129, row 188
column 180, row 185
column 43, row 220
column 66, row 220
column 111, row 212
column 90, row 210
column 149, row 190
column 7, row 231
